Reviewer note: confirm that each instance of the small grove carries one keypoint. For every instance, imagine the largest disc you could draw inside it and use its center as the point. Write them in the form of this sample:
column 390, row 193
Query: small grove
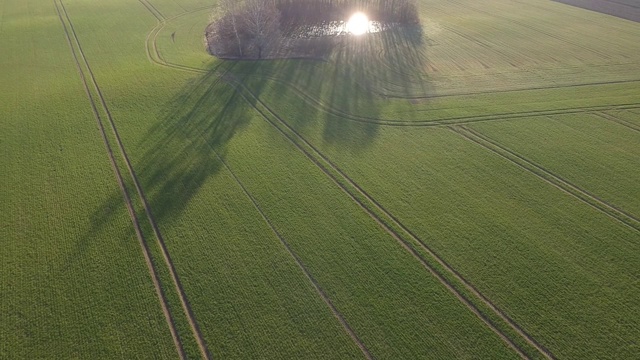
column 262, row 28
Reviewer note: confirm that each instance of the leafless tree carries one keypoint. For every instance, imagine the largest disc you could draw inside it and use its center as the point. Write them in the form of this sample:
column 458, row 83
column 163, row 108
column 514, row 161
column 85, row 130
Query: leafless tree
column 229, row 9
column 262, row 22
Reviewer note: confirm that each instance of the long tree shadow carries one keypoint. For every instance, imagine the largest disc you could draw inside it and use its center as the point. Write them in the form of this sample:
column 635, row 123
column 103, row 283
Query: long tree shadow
column 352, row 85
column 318, row 99
column 181, row 151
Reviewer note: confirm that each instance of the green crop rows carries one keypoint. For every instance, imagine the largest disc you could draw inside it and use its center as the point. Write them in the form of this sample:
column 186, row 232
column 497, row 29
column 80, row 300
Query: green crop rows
column 468, row 192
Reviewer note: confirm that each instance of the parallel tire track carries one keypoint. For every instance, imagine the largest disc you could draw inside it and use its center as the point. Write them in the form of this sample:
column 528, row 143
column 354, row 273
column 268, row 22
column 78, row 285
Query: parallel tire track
column 154, row 56
column 288, row 248
column 153, row 10
column 615, row 119
column 455, row 120
column 549, row 177
column 132, row 214
column 167, row 259
column 151, row 47
column 388, row 222
column 336, row 313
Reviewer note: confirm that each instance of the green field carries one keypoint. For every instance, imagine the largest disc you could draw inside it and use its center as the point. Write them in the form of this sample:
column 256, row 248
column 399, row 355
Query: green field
column 468, row 192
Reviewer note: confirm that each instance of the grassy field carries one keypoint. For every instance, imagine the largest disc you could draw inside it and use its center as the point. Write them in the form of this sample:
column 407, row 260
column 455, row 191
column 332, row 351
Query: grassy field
column 71, row 286
column 467, row 192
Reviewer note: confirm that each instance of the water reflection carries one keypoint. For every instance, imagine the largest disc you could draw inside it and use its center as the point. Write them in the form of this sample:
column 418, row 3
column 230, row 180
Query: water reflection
column 338, row 28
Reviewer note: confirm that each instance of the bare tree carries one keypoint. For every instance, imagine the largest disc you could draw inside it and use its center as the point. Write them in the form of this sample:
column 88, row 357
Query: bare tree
column 230, row 10
column 262, row 22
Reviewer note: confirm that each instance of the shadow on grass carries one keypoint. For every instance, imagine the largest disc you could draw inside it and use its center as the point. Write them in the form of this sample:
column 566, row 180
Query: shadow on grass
column 315, row 98
column 181, row 151
column 356, row 80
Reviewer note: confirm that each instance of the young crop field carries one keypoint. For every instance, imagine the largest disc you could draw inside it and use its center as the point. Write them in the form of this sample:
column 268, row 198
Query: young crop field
column 470, row 190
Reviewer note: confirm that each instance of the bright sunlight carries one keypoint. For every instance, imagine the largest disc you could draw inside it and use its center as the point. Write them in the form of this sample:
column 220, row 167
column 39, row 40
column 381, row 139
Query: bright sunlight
column 358, row 24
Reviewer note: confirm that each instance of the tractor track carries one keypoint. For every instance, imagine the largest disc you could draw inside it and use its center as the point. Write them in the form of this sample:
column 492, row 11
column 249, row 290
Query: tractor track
column 167, row 259
column 617, row 120
column 456, row 120
column 323, row 295
column 336, row 313
column 549, row 177
column 326, row 166
column 248, row 95
column 127, row 198
column 153, row 10
column 151, row 47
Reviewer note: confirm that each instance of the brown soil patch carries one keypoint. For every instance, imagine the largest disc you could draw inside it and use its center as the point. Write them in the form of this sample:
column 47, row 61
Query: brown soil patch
column 625, row 9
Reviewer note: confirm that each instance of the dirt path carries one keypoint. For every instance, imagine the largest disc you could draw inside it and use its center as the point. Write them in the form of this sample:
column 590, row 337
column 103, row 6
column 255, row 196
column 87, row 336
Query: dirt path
column 167, row 259
column 127, row 199
column 153, row 10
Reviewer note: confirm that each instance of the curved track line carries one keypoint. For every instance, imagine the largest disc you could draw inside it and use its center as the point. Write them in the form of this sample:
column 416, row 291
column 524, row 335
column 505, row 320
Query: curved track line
column 151, row 47
column 152, row 50
column 384, row 223
column 134, row 219
column 328, row 109
column 549, row 177
column 439, row 122
column 174, row 276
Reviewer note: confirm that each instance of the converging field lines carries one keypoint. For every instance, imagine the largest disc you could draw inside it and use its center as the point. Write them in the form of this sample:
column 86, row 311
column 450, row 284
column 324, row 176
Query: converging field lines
column 97, row 101
column 478, row 304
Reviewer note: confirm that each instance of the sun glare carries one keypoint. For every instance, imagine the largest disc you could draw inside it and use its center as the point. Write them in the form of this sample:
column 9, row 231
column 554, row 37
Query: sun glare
column 358, row 24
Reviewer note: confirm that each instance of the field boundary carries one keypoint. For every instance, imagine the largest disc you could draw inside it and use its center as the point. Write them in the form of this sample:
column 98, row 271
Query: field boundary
column 549, row 177
column 127, row 198
column 453, row 281
column 167, row 259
